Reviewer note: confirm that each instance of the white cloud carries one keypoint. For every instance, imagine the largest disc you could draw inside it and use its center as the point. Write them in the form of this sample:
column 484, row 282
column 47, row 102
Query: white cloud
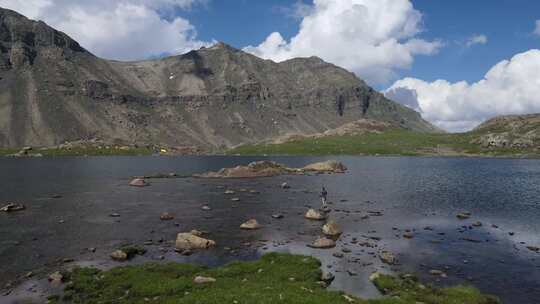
column 510, row 87
column 124, row 30
column 476, row 39
column 537, row 28
column 371, row 38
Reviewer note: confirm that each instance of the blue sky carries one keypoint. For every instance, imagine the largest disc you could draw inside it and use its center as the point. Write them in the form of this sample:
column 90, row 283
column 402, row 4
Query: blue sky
column 508, row 25
column 457, row 62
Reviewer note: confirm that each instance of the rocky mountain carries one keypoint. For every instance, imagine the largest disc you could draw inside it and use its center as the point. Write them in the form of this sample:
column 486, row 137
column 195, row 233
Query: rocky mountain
column 517, row 132
column 52, row 90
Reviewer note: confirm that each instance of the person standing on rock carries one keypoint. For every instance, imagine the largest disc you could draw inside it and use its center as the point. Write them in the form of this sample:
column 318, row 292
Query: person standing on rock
column 324, row 195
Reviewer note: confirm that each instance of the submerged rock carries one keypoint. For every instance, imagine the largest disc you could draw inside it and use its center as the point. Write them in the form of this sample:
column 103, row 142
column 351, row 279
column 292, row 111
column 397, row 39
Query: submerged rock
column 139, row 182
column 463, row 215
column 189, row 241
column 166, row 216
column 315, row 215
column 252, row 224
column 323, row 243
column 331, row 228
column 285, row 186
column 533, row 248
column 12, row 207
column 388, row 258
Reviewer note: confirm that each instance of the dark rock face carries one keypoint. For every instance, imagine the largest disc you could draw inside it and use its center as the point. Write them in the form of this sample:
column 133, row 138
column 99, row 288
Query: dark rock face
column 52, row 90
column 23, row 40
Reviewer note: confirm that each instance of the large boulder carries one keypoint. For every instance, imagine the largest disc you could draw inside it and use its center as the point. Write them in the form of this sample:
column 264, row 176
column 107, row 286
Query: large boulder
column 331, row 228
column 252, row 224
column 138, row 182
column 188, row 241
column 315, row 215
column 330, row 166
column 119, row 255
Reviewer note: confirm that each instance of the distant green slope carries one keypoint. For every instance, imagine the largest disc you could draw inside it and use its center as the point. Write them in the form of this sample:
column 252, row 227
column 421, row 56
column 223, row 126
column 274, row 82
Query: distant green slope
column 390, row 142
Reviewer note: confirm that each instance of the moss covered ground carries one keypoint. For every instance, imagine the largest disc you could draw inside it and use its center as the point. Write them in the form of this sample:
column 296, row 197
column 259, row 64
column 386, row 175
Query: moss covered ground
column 275, row 278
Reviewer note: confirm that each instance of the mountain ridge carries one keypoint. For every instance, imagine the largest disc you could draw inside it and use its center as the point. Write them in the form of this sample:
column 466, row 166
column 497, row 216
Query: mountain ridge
column 52, row 90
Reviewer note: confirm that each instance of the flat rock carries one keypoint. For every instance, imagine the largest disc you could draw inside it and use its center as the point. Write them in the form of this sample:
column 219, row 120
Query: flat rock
column 166, row 216
column 189, row 241
column 12, row 207
column 323, row 243
column 463, row 215
column 252, row 224
column 315, row 215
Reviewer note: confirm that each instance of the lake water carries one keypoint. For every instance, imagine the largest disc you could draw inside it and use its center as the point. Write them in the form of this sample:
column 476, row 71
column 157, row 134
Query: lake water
column 411, row 193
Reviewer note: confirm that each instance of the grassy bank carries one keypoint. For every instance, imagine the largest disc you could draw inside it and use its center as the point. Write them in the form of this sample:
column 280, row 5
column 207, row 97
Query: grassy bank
column 391, row 142
column 275, row 278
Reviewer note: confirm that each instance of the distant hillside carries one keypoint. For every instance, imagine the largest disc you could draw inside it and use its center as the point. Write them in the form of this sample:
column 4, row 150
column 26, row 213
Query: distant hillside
column 514, row 136
column 52, row 90
column 521, row 132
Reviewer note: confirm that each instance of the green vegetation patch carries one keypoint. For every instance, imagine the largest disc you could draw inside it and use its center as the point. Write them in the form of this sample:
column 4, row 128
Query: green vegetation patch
column 409, row 290
column 391, row 142
column 275, row 278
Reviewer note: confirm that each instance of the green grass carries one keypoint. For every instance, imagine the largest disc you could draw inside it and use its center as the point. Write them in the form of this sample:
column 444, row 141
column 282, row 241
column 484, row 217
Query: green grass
column 391, row 142
column 275, row 278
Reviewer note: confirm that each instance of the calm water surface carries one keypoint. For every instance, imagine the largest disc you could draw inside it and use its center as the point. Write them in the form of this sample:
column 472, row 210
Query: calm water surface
column 411, row 193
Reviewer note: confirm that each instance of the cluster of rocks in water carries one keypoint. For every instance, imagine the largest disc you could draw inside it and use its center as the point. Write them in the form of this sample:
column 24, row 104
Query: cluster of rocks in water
column 270, row 168
column 187, row 243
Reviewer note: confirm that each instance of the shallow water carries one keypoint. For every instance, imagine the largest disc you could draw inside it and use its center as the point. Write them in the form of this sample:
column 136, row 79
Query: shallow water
column 412, row 193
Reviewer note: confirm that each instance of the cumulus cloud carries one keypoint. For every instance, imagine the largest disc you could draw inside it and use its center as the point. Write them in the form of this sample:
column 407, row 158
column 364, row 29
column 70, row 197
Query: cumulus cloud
column 510, row 87
column 123, row 30
column 476, row 39
column 371, row 38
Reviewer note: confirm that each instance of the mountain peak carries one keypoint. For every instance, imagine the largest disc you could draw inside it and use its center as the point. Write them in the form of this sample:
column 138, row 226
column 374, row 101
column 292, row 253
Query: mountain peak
column 220, row 45
column 22, row 40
